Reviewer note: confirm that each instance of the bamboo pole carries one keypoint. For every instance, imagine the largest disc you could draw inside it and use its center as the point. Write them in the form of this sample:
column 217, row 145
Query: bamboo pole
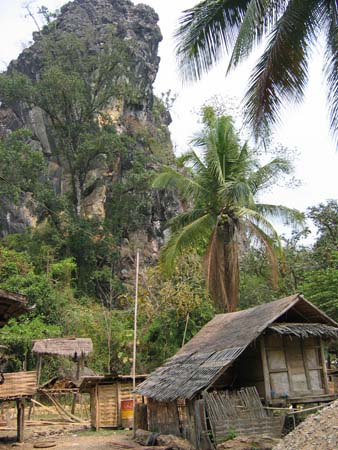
column 135, row 339
column 185, row 330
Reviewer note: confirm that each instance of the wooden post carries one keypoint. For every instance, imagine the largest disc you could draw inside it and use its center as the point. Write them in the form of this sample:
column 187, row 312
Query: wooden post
column 266, row 373
column 322, row 357
column 135, row 338
column 38, row 370
column 20, row 405
column 97, row 405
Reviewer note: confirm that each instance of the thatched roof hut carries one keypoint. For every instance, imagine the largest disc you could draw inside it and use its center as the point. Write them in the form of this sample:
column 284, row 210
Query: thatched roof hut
column 70, row 347
column 224, row 339
column 12, row 305
column 273, row 352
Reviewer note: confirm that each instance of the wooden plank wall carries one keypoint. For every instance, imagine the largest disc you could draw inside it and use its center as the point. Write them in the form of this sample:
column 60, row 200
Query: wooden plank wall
column 18, row 384
column 163, row 417
column 295, row 366
column 108, row 406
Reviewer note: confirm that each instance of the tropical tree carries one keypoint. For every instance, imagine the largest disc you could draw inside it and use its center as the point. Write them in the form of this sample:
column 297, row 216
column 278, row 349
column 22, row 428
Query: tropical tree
column 292, row 28
column 221, row 187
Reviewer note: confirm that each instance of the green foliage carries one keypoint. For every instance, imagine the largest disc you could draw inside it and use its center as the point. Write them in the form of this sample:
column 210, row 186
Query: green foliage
column 167, row 306
column 231, row 434
column 320, row 286
column 22, row 169
column 18, row 336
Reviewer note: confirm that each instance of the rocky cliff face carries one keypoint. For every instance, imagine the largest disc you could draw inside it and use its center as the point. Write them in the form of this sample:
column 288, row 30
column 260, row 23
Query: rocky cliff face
column 144, row 120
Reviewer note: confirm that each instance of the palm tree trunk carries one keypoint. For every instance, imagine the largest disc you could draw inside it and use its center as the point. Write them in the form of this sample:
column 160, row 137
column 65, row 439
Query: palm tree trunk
column 231, row 270
column 223, row 269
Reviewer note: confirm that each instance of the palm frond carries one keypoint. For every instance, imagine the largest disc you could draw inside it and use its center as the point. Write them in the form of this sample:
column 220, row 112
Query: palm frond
column 281, row 72
column 171, row 178
column 190, row 235
column 331, row 70
column 205, row 32
column 270, row 249
column 192, row 158
column 258, row 20
column 267, row 174
column 288, row 216
column 181, row 220
column 253, row 218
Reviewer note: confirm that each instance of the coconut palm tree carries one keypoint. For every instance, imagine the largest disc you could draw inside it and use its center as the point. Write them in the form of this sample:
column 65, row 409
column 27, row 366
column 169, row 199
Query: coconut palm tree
column 292, row 28
column 221, row 186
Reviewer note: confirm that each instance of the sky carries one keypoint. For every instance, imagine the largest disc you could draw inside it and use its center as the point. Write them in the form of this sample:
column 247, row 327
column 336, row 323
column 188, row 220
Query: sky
column 303, row 127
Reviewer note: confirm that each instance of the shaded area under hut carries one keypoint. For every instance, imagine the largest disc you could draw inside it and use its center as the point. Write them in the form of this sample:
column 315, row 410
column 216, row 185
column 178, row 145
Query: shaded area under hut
column 273, row 353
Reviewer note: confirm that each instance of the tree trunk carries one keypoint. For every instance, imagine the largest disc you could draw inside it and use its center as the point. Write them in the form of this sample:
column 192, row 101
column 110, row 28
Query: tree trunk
column 78, row 195
column 223, row 268
column 231, row 271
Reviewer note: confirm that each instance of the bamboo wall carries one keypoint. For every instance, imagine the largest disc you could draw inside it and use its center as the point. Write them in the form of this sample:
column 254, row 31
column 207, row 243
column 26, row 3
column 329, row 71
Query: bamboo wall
column 105, row 403
column 18, row 384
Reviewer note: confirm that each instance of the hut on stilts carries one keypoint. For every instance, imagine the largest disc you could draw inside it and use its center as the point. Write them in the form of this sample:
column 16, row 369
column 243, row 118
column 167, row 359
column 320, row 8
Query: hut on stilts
column 272, row 354
column 16, row 386
column 77, row 349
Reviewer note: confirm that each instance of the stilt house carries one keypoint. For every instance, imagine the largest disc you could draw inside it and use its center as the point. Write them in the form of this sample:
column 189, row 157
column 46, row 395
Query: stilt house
column 17, row 386
column 275, row 349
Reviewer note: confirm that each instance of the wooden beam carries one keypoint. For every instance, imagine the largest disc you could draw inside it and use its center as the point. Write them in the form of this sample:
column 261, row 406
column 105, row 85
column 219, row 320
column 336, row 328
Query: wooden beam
column 288, row 366
column 20, row 405
column 97, row 406
column 266, row 374
column 306, row 366
column 322, row 357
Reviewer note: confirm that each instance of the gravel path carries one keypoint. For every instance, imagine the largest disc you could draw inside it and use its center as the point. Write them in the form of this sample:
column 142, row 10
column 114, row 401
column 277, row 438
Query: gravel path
column 318, row 432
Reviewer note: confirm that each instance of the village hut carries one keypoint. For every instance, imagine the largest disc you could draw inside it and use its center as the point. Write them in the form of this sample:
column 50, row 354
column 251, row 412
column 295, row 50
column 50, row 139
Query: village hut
column 11, row 305
column 111, row 399
column 78, row 349
column 275, row 351
column 16, row 386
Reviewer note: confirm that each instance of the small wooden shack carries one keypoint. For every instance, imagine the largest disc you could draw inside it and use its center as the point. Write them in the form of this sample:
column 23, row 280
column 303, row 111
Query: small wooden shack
column 275, row 349
column 18, row 386
column 12, row 305
column 111, row 399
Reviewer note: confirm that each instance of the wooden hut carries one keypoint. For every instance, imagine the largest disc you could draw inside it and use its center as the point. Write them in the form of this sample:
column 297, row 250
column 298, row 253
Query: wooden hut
column 78, row 349
column 18, row 386
column 111, row 399
column 275, row 349
column 12, row 305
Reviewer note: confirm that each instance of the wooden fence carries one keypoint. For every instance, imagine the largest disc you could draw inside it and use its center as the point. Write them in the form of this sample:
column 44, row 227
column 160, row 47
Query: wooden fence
column 241, row 412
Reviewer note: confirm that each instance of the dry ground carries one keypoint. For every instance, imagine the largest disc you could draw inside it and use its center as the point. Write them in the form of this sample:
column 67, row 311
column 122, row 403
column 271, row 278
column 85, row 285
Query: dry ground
column 72, row 440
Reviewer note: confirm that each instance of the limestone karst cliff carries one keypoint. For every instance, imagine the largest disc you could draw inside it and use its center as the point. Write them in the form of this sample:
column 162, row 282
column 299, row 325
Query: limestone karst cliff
column 136, row 115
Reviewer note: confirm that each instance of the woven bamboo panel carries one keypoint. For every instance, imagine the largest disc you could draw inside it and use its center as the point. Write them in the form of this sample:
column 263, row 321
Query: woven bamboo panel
column 126, row 392
column 108, row 408
column 18, row 384
column 271, row 426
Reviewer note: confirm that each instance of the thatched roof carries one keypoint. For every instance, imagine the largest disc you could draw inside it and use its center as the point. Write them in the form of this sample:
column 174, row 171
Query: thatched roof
column 70, row 347
column 305, row 330
column 199, row 363
column 88, row 382
column 11, row 305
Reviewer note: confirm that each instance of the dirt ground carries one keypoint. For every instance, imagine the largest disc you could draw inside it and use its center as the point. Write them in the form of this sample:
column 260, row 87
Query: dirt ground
column 67, row 439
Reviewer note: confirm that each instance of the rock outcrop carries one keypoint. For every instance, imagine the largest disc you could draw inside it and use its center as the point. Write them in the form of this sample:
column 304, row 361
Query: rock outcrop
column 97, row 21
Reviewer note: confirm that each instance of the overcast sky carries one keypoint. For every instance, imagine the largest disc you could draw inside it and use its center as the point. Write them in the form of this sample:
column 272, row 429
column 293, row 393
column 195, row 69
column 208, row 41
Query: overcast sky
column 304, row 126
